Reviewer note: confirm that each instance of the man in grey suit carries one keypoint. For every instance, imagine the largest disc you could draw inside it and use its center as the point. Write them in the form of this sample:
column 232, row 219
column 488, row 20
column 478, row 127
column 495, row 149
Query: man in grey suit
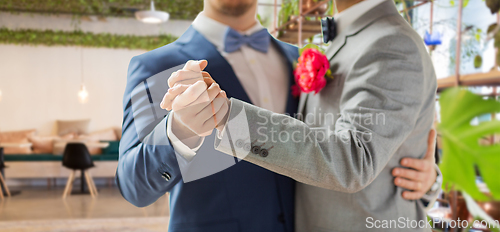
column 378, row 108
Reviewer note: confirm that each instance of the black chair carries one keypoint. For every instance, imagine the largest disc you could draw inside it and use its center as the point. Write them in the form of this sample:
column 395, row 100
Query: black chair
column 77, row 157
column 2, row 180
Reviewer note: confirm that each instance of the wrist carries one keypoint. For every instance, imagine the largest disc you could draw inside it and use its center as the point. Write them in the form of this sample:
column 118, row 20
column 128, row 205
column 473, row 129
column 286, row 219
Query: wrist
column 183, row 133
column 436, row 185
column 224, row 120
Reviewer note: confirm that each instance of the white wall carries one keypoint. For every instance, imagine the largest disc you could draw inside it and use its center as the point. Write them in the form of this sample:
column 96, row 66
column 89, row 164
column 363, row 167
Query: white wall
column 40, row 85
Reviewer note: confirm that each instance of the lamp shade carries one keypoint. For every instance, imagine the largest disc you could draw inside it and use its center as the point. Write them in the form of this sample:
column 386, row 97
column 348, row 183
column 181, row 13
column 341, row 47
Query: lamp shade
column 152, row 16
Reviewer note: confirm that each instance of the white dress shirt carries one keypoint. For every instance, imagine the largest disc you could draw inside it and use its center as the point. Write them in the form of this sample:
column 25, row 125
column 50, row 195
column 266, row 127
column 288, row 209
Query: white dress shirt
column 264, row 76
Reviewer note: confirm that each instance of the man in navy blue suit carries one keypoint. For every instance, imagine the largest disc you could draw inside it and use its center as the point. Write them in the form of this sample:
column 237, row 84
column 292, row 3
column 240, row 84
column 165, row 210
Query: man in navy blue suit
column 210, row 191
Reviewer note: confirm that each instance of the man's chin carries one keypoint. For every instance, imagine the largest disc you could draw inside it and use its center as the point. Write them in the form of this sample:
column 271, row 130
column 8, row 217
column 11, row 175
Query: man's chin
column 234, row 9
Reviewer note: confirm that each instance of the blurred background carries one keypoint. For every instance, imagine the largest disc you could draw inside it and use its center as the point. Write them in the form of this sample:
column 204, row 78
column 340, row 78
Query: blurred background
column 63, row 68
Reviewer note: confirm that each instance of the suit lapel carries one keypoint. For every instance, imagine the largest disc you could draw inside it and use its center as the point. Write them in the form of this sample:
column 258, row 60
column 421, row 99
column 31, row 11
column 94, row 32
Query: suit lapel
column 196, row 47
column 302, row 102
column 291, row 57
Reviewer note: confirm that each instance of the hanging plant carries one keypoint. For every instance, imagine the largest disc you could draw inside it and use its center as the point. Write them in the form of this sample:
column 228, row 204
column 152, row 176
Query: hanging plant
column 85, row 39
column 178, row 9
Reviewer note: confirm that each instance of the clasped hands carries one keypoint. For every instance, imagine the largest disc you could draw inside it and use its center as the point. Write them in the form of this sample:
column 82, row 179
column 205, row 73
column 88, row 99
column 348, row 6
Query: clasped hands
column 197, row 102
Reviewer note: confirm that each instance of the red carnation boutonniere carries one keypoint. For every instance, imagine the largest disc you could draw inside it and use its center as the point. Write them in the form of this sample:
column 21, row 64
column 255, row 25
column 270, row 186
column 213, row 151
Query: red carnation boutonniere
column 311, row 70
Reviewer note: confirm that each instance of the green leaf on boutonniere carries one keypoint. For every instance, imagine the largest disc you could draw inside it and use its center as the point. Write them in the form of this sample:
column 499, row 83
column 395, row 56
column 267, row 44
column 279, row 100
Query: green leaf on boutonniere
column 328, row 74
column 313, row 46
column 462, row 152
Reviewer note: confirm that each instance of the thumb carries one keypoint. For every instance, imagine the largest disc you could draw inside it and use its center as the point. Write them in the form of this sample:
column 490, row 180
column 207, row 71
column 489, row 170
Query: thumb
column 195, row 65
column 431, row 144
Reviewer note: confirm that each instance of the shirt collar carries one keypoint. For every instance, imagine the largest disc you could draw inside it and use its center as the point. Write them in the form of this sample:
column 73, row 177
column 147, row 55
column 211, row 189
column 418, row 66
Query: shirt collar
column 215, row 31
column 347, row 17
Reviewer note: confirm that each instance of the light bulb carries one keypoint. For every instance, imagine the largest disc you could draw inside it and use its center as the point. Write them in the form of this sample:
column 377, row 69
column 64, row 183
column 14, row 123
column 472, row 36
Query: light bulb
column 151, row 20
column 83, row 95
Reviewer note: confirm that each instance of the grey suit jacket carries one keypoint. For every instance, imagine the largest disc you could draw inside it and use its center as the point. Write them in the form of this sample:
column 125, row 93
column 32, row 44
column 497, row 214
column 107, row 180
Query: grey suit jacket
column 378, row 108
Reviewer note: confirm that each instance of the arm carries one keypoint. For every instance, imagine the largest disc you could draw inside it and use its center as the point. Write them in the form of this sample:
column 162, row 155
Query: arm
column 348, row 157
column 147, row 167
column 156, row 149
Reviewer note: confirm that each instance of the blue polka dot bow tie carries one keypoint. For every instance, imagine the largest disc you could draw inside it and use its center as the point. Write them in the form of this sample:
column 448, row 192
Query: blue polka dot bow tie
column 234, row 40
column 329, row 28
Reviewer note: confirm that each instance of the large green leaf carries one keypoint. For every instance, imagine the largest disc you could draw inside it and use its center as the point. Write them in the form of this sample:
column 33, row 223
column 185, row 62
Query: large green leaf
column 310, row 45
column 462, row 152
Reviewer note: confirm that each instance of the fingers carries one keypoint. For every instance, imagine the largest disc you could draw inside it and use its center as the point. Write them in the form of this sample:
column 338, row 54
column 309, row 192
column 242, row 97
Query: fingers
column 214, row 113
column 220, row 116
column 207, row 78
column 418, row 164
column 421, row 176
column 207, row 97
column 408, row 184
column 184, row 77
column 409, row 195
column 210, row 110
column 408, row 174
column 189, row 74
column 191, row 94
column 180, row 85
column 169, row 97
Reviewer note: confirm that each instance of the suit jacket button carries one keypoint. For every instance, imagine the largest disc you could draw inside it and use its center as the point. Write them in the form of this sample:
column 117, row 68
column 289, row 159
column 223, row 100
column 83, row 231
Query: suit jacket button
column 239, row 143
column 166, row 176
column 247, row 147
column 264, row 153
column 256, row 150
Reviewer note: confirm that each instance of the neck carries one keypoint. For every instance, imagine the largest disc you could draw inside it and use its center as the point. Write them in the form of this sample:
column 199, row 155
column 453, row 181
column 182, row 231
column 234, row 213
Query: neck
column 239, row 23
column 344, row 4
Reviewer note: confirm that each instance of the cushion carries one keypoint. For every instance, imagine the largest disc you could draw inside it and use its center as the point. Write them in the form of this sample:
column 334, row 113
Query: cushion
column 75, row 126
column 17, row 137
column 91, row 139
column 108, row 135
column 42, row 144
column 60, row 142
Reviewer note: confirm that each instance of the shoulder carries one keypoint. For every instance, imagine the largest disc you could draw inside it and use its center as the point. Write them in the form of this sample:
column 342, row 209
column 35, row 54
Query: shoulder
column 148, row 64
column 393, row 34
column 291, row 50
column 158, row 59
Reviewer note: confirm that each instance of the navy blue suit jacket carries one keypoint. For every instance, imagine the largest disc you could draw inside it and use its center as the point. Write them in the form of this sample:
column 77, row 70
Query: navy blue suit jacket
column 242, row 197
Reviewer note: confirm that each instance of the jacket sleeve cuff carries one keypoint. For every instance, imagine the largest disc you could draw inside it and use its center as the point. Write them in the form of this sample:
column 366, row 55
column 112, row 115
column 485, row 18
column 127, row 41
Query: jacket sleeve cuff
column 181, row 148
column 234, row 139
column 430, row 197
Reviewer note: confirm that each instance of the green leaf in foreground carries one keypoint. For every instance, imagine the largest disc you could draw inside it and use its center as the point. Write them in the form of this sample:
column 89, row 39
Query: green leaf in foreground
column 461, row 149
column 313, row 46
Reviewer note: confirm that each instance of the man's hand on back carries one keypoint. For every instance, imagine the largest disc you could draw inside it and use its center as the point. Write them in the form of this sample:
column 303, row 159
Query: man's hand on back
column 419, row 174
